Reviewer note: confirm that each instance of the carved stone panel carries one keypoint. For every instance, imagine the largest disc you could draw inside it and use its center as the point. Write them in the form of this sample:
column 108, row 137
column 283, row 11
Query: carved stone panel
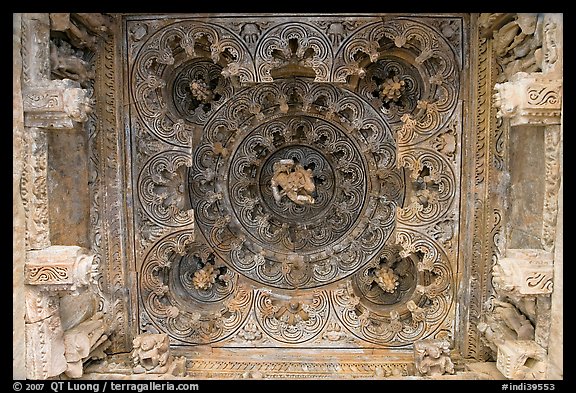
column 290, row 183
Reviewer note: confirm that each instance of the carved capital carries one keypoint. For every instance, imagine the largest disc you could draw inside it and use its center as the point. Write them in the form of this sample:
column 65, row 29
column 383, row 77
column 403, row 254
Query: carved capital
column 57, row 104
column 59, row 268
column 525, row 272
column 533, row 99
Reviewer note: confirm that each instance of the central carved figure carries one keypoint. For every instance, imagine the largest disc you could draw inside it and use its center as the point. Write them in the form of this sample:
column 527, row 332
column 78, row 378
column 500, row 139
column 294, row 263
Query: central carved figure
column 294, row 181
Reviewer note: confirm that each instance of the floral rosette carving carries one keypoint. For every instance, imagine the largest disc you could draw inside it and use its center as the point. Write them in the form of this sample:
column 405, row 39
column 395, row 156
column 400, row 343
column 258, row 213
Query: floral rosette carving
column 293, row 321
column 423, row 300
column 189, row 314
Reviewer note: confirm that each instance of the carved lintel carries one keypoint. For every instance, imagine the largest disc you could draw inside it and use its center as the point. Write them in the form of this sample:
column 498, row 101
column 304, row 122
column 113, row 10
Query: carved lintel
column 514, row 359
column 525, row 272
column 60, row 268
column 533, row 99
column 57, row 104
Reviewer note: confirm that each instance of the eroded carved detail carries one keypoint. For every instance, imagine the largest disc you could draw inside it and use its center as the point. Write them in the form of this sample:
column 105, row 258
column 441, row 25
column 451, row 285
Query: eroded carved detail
column 58, row 104
column 67, row 63
column 151, row 355
column 86, row 341
column 291, row 179
column 432, row 357
column 59, row 268
column 524, row 272
column 529, row 99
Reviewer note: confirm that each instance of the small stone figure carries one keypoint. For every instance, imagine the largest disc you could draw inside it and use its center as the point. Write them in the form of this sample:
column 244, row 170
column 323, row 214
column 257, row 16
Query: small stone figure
column 292, row 180
column 150, row 353
column 432, row 357
column 66, row 63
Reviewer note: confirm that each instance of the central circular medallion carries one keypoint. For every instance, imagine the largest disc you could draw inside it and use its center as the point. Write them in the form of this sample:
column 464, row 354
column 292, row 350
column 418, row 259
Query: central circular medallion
column 296, row 184
column 292, row 197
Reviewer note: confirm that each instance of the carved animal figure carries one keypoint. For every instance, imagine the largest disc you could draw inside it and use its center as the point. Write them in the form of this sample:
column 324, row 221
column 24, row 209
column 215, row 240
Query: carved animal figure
column 150, row 353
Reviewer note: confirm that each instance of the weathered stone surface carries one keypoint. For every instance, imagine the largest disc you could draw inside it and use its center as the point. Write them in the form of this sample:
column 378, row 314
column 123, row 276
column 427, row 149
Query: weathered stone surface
column 556, row 351
column 372, row 241
column 527, row 178
column 529, row 99
column 525, row 272
column 521, row 359
column 18, row 213
column 67, row 176
column 56, row 104
column 45, row 348
column 432, row 357
column 85, row 341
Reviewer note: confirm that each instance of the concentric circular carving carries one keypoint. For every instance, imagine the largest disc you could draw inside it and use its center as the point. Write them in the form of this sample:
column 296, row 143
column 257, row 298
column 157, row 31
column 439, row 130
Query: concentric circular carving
column 251, row 166
column 295, row 184
column 197, row 87
column 283, row 226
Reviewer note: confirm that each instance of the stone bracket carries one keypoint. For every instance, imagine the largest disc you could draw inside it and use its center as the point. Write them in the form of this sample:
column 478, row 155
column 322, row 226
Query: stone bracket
column 58, row 268
column 513, row 356
column 525, row 272
column 56, row 104
column 533, row 99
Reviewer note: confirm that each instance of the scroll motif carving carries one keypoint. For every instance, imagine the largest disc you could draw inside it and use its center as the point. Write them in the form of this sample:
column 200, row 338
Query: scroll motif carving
column 59, row 268
column 524, row 272
column 360, row 158
column 295, row 321
column 56, row 105
column 529, row 99
column 162, row 189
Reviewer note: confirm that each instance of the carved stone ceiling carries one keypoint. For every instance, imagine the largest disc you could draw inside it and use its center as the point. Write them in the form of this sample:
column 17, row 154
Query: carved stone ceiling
column 295, row 183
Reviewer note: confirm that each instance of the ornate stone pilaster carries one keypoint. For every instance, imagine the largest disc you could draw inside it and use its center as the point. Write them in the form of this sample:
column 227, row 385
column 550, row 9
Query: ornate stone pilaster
column 50, row 273
column 44, row 335
column 49, row 104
